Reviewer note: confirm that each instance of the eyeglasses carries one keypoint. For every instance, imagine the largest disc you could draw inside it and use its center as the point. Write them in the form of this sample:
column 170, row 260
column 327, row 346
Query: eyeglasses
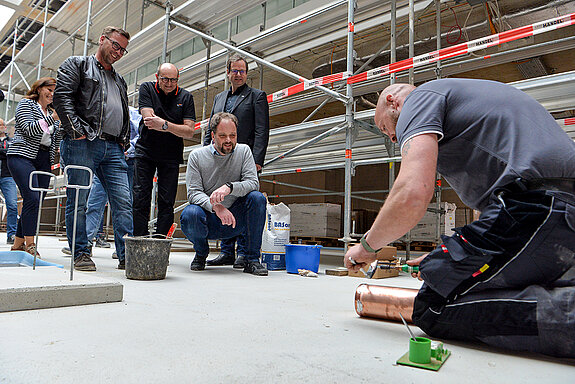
column 117, row 47
column 168, row 79
column 238, row 71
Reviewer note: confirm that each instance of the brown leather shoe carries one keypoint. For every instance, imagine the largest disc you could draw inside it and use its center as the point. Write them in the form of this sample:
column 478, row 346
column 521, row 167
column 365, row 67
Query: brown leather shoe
column 20, row 248
column 31, row 248
column 84, row 263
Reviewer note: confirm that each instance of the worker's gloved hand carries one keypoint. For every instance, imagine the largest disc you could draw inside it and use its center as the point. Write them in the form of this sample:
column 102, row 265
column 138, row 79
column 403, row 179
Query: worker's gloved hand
column 357, row 257
column 416, row 262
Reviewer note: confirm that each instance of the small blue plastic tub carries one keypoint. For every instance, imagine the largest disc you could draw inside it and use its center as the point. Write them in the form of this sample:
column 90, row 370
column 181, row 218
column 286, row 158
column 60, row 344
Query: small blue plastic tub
column 299, row 256
column 22, row 259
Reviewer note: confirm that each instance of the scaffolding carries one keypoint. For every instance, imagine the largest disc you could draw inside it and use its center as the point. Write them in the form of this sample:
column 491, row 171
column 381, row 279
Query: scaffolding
column 312, row 145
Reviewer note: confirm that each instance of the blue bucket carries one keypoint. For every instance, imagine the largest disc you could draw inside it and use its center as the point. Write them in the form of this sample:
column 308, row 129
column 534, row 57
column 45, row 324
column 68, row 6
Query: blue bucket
column 299, row 256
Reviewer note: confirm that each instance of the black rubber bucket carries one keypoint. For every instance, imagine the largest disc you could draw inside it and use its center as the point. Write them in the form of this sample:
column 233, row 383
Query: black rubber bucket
column 147, row 257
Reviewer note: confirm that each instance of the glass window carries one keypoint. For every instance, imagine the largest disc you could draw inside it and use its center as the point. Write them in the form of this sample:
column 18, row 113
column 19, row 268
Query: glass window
column 130, row 77
column 251, row 17
column 299, row 2
column 199, row 45
column 221, row 31
column 148, row 69
column 277, row 7
column 182, row 51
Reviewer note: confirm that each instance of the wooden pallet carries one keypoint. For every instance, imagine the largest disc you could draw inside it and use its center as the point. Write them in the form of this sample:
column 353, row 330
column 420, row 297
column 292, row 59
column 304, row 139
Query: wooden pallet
column 311, row 240
column 418, row 246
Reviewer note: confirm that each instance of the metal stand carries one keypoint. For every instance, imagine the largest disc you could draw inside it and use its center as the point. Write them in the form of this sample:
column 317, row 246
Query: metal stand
column 77, row 188
column 41, row 190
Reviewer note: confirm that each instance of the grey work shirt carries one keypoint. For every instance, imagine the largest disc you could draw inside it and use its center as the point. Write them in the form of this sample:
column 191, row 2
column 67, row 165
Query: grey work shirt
column 113, row 113
column 490, row 134
column 207, row 171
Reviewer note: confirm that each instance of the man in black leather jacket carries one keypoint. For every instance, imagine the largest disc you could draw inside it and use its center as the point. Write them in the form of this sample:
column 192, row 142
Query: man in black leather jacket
column 91, row 100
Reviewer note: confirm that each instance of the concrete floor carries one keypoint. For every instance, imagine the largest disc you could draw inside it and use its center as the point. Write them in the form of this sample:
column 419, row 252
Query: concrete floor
column 225, row 326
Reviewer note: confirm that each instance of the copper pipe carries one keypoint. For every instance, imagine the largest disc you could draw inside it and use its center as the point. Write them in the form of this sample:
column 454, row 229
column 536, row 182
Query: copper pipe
column 384, row 302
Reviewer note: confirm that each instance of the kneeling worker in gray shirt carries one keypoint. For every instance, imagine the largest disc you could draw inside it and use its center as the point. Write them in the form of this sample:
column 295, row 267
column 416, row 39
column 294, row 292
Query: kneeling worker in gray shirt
column 222, row 185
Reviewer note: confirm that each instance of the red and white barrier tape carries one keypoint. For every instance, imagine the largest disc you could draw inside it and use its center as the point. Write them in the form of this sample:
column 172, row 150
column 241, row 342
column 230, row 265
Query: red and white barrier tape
column 201, row 124
column 307, row 84
column 468, row 47
column 427, row 58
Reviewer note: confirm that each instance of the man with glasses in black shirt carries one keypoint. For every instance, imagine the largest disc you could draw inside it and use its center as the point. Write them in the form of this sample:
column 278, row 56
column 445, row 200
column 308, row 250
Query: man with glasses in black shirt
column 168, row 116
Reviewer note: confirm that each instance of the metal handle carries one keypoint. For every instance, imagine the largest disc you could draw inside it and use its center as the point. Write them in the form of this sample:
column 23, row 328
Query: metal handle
column 76, row 187
column 39, row 189
column 81, row 168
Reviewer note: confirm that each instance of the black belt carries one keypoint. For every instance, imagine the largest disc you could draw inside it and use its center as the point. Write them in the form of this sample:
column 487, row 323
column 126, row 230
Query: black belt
column 551, row 184
column 44, row 148
column 107, row 137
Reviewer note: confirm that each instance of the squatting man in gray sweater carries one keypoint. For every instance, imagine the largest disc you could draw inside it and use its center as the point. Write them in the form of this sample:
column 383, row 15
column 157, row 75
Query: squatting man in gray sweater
column 222, row 185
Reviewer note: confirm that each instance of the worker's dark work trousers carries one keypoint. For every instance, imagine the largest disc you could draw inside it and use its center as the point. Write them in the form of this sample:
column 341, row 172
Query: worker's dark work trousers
column 507, row 279
column 167, row 187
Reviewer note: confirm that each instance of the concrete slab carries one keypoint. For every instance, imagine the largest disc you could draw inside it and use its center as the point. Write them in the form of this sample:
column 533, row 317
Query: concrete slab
column 22, row 288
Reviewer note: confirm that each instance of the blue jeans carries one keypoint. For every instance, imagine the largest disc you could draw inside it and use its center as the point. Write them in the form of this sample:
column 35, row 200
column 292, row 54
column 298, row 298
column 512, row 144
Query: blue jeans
column 131, row 167
column 106, row 159
column 97, row 200
column 10, row 192
column 228, row 246
column 21, row 167
column 200, row 225
column 95, row 209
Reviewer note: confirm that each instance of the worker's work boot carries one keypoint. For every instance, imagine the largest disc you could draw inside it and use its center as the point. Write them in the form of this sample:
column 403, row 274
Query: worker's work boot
column 199, row 263
column 255, row 268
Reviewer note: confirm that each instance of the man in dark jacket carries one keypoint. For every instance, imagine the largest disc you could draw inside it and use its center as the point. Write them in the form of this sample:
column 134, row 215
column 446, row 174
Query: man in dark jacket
column 251, row 107
column 92, row 102
column 8, row 187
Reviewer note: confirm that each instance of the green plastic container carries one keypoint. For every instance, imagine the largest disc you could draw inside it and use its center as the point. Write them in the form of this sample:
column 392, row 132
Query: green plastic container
column 420, row 350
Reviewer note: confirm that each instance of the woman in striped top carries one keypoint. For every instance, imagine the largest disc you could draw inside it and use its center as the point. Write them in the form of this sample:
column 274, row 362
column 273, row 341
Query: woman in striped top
column 35, row 137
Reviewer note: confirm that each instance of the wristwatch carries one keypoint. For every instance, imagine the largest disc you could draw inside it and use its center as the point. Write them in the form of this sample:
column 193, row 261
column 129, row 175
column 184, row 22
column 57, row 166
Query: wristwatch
column 230, row 186
column 165, row 126
column 366, row 246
